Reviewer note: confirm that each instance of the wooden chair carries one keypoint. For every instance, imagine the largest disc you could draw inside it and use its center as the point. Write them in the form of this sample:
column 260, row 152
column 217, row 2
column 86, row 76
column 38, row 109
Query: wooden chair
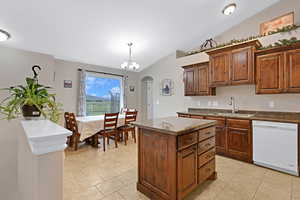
column 130, row 116
column 110, row 130
column 71, row 124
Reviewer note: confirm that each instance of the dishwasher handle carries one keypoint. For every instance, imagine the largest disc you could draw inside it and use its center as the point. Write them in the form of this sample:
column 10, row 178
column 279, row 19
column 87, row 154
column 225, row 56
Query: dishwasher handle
column 275, row 127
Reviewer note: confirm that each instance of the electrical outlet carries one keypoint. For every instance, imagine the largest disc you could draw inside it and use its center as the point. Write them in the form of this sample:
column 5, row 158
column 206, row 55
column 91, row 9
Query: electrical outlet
column 271, row 104
column 157, row 102
column 199, row 103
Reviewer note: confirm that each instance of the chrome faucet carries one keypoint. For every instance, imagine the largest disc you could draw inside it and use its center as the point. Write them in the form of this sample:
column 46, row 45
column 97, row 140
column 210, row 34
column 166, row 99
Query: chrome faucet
column 233, row 104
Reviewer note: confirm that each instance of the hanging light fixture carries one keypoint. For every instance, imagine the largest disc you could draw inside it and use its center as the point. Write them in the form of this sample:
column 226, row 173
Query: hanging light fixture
column 130, row 64
column 4, row 35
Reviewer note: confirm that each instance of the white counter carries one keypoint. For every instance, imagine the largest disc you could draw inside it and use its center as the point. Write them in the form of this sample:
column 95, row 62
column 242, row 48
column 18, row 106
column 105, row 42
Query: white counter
column 41, row 145
column 45, row 136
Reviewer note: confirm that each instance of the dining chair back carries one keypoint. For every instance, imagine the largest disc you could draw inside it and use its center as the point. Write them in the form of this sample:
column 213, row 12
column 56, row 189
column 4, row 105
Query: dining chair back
column 130, row 116
column 110, row 121
column 71, row 124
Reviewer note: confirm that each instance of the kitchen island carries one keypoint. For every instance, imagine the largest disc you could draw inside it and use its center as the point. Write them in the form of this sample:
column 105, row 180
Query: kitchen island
column 175, row 155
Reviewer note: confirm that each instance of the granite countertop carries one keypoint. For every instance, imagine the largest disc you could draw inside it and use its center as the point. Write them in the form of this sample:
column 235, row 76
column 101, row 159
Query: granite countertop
column 289, row 117
column 174, row 125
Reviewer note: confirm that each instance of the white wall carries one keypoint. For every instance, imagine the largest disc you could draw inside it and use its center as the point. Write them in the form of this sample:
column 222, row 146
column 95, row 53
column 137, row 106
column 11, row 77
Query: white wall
column 245, row 95
column 16, row 65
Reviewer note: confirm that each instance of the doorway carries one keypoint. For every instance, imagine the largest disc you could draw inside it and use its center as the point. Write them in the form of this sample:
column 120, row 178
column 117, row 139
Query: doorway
column 147, row 97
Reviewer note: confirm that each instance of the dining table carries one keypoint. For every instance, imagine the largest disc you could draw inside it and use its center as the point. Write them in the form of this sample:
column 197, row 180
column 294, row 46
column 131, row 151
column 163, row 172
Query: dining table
column 89, row 125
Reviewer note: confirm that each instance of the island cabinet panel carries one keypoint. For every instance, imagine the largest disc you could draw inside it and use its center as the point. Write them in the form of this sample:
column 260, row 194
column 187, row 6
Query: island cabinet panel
column 187, row 171
column 156, row 164
column 172, row 166
column 220, row 69
column 269, row 73
column 292, row 70
column 242, row 70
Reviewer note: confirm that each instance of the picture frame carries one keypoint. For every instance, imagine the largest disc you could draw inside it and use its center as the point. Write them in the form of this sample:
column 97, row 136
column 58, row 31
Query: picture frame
column 67, row 84
column 167, row 87
column 276, row 23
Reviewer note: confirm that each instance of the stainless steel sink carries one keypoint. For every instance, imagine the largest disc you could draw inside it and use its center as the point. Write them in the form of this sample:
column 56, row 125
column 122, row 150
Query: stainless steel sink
column 235, row 115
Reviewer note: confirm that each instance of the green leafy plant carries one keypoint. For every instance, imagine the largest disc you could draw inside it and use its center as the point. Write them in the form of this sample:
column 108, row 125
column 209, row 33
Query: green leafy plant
column 31, row 94
column 280, row 43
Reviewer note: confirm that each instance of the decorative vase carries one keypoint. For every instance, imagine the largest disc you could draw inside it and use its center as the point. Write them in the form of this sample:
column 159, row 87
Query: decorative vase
column 30, row 111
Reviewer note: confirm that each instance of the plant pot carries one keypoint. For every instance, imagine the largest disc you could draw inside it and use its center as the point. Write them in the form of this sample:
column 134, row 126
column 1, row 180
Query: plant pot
column 31, row 111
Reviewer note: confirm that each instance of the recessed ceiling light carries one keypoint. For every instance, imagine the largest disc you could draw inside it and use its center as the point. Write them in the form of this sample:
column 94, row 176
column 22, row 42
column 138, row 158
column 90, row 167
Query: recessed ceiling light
column 4, row 35
column 229, row 9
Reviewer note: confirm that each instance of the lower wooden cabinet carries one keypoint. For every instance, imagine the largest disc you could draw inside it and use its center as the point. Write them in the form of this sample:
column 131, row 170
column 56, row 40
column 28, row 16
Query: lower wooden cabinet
column 187, row 170
column 233, row 138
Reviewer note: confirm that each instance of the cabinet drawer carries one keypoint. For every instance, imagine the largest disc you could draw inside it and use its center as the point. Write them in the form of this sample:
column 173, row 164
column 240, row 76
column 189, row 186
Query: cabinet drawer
column 206, row 171
column 220, row 120
column 206, row 133
column 197, row 117
column 238, row 123
column 206, row 145
column 205, row 157
column 187, row 140
column 184, row 115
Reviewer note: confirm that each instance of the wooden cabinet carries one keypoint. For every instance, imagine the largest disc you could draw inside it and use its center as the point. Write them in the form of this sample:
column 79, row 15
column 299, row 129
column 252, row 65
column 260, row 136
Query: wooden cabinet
column 196, row 80
column 233, row 65
column 189, row 80
column 278, row 70
column 239, row 139
column 187, row 170
column 170, row 166
column 292, row 70
column 269, row 73
column 220, row 69
column 221, row 136
column 233, row 138
column 242, row 69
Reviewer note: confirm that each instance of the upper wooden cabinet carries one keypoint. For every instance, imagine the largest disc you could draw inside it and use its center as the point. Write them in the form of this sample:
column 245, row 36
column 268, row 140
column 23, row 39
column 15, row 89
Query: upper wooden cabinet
column 219, row 69
column 233, row 65
column 292, row 69
column 269, row 73
column 196, row 80
column 278, row 70
column 189, row 80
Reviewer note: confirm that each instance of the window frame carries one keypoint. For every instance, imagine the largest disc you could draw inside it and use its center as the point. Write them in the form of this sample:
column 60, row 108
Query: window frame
column 111, row 76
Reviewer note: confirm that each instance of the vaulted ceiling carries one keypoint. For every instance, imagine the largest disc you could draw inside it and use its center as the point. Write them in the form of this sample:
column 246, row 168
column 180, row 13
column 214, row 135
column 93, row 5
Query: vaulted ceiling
column 97, row 31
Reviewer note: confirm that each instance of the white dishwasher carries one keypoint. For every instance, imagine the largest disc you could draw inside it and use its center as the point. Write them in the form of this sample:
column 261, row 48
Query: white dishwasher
column 275, row 145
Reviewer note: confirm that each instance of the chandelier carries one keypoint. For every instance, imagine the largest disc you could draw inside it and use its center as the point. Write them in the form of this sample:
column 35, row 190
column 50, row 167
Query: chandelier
column 130, row 64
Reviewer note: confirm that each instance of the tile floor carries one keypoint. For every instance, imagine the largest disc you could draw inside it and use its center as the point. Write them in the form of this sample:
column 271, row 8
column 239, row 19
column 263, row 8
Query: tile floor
column 91, row 174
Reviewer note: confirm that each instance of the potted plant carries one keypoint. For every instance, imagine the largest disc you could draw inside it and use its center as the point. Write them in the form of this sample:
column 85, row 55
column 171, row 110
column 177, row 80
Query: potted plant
column 31, row 99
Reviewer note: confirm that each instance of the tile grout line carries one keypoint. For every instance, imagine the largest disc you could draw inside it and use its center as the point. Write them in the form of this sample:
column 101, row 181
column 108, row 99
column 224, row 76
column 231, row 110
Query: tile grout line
column 254, row 196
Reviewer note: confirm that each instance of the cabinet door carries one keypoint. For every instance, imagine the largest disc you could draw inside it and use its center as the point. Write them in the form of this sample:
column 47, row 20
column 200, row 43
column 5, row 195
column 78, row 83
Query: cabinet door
column 187, row 171
column 292, row 76
column 242, row 67
column 189, row 81
column 221, row 134
column 239, row 144
column 219, row 69
column 221, row 139
column 269, row 74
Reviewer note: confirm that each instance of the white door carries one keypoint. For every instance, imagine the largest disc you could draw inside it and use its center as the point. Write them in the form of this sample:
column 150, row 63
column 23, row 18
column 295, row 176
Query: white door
column 149, row 99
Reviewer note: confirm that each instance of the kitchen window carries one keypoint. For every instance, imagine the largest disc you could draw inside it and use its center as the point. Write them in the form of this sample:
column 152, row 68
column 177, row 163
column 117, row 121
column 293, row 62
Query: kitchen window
column 104, row 93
